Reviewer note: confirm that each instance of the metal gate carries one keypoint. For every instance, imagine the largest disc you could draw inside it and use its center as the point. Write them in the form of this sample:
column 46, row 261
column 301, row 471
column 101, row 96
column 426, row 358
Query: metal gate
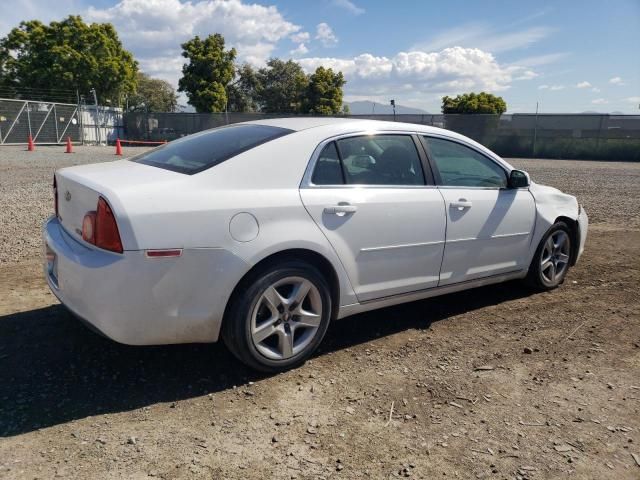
column 46, row 122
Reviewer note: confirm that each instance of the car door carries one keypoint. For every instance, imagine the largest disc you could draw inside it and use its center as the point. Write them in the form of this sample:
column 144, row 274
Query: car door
column 385, row 220
column 489, row 225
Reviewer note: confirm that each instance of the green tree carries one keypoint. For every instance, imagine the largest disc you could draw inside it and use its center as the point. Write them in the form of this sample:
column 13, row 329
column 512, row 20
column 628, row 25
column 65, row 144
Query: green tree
column 282, row 86
column 67, row 55
column 209, row 71
column 153, row 95
column 474, row 103
column 243, row 92
column 324, row 93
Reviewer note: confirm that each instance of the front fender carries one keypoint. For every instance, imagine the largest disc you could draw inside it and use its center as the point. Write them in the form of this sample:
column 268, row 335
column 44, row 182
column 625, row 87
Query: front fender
column 551, row 204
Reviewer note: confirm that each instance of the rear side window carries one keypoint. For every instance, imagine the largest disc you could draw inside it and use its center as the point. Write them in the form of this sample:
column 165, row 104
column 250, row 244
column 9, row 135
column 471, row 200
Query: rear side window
column 328, row 170
column 204, row 150
column 370, row 160
column 381, row 160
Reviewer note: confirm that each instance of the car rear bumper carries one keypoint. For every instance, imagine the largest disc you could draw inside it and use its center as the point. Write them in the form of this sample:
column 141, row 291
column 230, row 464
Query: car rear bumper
column 137, row 300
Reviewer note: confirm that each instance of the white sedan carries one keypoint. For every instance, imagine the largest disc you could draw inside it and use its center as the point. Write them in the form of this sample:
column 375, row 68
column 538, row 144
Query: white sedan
column 264, row 232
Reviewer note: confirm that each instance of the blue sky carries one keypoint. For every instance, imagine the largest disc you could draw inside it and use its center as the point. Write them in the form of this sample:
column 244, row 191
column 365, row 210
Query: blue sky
column 570, row 56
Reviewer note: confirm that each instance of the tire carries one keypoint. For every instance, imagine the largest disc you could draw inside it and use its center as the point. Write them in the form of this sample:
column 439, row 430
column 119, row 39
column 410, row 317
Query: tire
column 552, row 259
column 278, row 316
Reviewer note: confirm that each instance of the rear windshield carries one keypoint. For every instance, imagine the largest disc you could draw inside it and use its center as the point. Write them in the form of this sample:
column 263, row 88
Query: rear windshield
column 200, row 151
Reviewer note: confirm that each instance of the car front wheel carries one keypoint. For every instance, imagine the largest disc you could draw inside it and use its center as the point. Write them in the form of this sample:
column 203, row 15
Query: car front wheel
column 552, row 259
column 278, row 317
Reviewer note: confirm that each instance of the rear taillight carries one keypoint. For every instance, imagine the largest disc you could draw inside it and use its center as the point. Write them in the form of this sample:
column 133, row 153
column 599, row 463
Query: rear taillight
column 55, row 195
column 100, row 228
column 107, row 235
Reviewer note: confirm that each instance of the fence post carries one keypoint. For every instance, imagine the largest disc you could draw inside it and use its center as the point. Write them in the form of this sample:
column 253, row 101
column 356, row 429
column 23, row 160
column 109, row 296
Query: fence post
column 600, row 133
column 55, row 121
column 29, row 117
column 535, row 134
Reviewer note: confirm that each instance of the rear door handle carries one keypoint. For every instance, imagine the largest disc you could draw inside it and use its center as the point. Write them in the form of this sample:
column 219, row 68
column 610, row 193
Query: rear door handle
column 340, row 209
column 461, row 204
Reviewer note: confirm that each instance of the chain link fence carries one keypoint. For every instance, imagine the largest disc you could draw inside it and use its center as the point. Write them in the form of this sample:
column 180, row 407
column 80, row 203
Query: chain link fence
column 54, row 122
column 579, row 136
column 45, row 122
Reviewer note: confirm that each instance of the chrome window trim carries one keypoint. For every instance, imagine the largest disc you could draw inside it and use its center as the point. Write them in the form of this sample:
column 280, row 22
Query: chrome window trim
column 308, row 173
column 488, row 154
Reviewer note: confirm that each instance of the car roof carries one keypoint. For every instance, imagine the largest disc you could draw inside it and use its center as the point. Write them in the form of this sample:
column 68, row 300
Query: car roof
column 345, row 123
column 318, row 129
column 326, row 127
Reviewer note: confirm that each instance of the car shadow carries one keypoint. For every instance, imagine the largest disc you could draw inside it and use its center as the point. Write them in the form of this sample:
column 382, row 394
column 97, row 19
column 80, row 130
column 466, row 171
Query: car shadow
column 54, row 370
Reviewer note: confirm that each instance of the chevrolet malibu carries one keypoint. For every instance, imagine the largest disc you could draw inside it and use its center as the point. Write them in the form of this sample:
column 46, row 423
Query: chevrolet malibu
column 262, row 233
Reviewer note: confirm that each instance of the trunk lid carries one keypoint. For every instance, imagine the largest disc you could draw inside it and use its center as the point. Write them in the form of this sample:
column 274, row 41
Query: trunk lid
column 79, row 188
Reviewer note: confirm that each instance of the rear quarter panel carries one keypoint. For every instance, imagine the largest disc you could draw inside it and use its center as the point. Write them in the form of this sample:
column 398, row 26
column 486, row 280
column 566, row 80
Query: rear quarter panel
column 263, row 182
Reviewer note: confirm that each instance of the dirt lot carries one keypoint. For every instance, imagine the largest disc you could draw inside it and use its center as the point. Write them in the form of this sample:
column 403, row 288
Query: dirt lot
column 442, row 388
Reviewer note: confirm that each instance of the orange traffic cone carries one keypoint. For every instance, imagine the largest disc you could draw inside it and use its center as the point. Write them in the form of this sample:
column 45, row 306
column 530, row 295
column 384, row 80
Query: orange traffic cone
column 69, row 146
column 118, row 147
column 30, row 146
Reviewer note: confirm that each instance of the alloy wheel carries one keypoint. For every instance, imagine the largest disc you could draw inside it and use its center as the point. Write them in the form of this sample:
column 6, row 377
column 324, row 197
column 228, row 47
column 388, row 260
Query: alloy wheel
column 554, row 259
column 286, row 318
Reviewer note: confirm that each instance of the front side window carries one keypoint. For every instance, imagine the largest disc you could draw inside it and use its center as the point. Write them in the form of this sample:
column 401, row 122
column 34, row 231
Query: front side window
column 200, row 151
column 381, row 160
column 462, row 166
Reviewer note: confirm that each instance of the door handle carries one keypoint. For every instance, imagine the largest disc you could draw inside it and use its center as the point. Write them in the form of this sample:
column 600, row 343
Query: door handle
column 340, row 209
column 461, row 204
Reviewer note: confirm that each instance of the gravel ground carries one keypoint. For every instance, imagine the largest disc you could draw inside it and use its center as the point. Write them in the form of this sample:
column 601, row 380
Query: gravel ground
column 496, row 383
column 590, row 182
column 25, row 186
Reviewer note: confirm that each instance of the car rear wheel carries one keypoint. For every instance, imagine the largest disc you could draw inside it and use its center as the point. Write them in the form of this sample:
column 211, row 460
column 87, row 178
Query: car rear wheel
column 552, row 259
column 278, row 317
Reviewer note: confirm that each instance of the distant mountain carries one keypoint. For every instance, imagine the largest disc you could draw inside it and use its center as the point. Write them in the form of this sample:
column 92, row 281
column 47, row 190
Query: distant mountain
column 592, row 112
column 367, row 107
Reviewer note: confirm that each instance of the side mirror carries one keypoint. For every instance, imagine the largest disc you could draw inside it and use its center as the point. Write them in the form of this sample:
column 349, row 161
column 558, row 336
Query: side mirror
column 519, row 179
column 363, row 161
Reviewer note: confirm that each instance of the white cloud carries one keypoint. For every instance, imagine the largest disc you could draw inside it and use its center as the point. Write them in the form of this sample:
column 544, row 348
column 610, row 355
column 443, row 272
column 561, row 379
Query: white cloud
column 538, row 60
column 325, row 34
column 483, row 37
column 349, row 6
column 527, row 75
column 300, row 37
column 595, row 90
column 584, row 84
column 599, row 101
column 154, row 29
column 633, row 99
column 12, row 13
column 616, row 81
column 299, row 50
column 551, row 87
column 419, row 73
